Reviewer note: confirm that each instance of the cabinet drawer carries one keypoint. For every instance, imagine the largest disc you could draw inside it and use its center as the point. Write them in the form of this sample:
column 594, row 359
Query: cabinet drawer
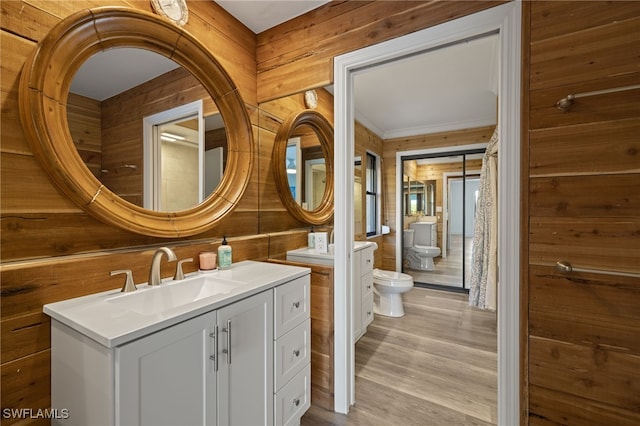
column 367, row 311
column 291, row 305
column 294, row 399
column 366, row 260
column 291, row 353
column 367, row 285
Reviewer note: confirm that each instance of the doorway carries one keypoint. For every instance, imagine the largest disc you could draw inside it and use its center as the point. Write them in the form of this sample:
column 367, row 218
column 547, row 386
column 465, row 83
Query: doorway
column 506, row 20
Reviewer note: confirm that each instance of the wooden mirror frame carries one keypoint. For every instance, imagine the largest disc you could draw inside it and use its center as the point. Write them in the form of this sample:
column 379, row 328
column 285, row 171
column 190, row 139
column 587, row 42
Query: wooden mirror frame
column 324, row 131
column 44, row 88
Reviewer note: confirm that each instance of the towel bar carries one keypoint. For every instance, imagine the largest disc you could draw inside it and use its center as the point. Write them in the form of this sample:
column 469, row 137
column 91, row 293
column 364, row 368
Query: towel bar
column 565, row 103
column 566, row 267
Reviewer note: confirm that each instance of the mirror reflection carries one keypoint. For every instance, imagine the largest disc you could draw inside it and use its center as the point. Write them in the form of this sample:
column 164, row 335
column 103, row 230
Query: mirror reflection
column 419, row 197
column 306, row 168
column 147, row 129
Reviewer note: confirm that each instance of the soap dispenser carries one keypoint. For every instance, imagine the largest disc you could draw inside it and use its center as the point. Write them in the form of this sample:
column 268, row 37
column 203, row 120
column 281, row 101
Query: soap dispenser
column 224, row 254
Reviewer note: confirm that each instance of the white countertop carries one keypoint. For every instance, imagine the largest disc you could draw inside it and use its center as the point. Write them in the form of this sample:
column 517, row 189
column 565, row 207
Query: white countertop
column 112, row 324
column 310, row 255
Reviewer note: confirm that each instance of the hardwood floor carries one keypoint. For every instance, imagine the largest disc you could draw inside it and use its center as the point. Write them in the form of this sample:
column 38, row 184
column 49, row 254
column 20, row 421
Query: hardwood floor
column 437, row 365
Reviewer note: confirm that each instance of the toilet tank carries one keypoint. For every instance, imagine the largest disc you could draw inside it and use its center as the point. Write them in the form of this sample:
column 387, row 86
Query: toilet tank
column 407, row 235
column 426, row 233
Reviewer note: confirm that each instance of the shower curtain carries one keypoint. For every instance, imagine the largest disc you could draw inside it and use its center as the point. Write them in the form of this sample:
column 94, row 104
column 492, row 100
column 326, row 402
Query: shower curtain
column 484, row 257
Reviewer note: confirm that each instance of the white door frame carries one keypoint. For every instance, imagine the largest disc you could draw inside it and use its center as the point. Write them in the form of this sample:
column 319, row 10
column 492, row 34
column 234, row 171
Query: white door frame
column 506, row 19
column 151, row 160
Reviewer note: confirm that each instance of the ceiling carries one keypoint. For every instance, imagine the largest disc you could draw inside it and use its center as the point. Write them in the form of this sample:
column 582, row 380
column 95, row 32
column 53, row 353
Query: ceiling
column 260, row 15
column 441, row 90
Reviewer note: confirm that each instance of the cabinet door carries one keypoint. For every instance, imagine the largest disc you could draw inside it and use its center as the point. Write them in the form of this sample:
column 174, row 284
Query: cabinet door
column 245, row 350
column 356, row 296
column 168, row 378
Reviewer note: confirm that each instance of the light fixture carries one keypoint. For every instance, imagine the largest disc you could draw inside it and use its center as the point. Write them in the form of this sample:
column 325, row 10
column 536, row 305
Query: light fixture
column 167, row 138
column 173, row 136
column 291, row 167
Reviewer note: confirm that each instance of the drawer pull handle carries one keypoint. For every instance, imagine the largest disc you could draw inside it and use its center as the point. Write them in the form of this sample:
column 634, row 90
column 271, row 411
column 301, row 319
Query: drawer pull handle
column 214, row 336
column 228, row 349
column 296, row 305
column 296, row 401
column 296, row 352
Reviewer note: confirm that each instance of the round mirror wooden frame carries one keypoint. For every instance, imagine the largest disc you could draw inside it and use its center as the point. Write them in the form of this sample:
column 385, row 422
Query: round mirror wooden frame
column 44, row 88
column 324, row 131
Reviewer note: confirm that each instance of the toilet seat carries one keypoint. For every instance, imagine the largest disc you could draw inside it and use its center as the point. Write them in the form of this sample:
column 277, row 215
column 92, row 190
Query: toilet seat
column 392, row 278
column 430, row 250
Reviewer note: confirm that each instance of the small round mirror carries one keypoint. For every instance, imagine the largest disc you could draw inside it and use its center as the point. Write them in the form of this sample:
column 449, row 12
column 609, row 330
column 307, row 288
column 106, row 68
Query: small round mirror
column 303, row 166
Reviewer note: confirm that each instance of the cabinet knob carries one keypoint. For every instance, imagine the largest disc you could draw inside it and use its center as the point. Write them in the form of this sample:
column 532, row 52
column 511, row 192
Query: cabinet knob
column 296, row 401
column 296, row 352
column 296, row 305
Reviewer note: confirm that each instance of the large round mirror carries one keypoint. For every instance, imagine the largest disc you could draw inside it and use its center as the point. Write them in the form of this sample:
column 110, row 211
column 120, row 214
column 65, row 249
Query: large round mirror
column 120, row 189
column 303, row 166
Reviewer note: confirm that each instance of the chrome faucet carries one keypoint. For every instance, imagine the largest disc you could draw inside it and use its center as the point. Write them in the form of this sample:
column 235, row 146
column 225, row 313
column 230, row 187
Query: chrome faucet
column 154, row 272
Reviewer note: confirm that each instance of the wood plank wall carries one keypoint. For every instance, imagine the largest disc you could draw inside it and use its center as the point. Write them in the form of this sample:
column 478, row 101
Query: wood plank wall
column 85, row 127
column 584, row 207
column 45, row 223
column 367, row 141
column 50, row 249
column 298, row 54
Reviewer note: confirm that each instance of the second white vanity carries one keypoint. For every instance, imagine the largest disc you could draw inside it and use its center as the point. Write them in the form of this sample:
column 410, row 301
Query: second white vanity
column 362, row 290
column 230, row 347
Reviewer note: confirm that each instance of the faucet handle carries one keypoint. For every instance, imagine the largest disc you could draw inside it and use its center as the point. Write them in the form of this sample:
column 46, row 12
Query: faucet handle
column 179, row 274
column 129, row 285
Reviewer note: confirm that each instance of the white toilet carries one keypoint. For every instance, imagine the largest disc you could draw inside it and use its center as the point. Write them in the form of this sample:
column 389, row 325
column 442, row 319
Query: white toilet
column 388, row 287
column 420, row 245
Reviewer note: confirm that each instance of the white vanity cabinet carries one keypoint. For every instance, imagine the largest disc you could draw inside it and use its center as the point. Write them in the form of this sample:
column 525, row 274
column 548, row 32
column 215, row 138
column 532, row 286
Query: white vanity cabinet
column 362, row 291
column 245, row 361
column 224, row 366
column 292, row 352
column 168, row 378
column 171, row 377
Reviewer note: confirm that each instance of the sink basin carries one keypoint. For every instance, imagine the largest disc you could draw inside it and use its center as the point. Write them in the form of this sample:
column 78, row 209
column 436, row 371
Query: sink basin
column 157, row 299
